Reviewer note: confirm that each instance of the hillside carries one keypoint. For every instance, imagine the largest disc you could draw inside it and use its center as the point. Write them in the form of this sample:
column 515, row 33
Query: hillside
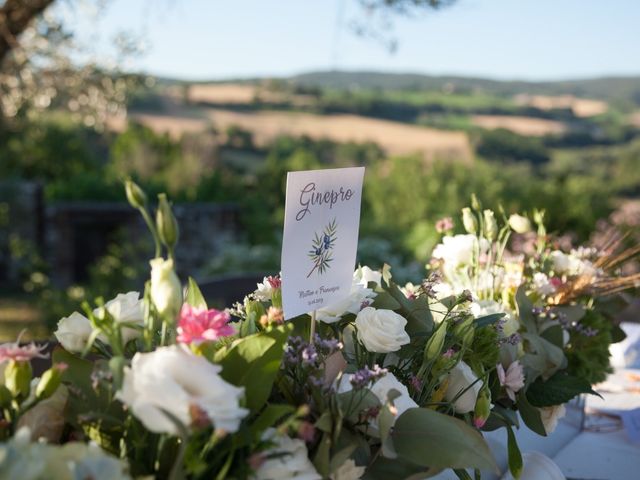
column 606, row 88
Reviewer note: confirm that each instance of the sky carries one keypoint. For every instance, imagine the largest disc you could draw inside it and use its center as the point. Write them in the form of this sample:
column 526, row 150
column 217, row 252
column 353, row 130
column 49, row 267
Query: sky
column 502, row 39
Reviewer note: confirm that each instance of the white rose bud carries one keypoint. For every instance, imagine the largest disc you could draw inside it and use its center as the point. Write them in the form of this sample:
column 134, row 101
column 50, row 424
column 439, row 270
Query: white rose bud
column 166, row 291
column 469, row 221
column 73, row 332
column 462, row 379
column 490, row 225
column 381, row 331
column 519, row 224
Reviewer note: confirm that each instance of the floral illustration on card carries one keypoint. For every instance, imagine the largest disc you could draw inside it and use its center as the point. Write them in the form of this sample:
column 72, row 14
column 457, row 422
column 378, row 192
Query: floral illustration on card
column 321, row 253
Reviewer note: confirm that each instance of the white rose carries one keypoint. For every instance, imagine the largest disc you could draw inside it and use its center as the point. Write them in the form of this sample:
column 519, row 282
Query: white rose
column 176, row 380
column 542, row 285
column 519, row 223
column 381, row 389
column 127, row 308
column 166, row 291
column 288, row 458
column 358, row 296
column 348, row 471
column 381, row 331
column 550, row 417
column 384, row 385
column 73, row 332
column 365, row 275
column 560, row 261
column 458, row 250
column 462, row 379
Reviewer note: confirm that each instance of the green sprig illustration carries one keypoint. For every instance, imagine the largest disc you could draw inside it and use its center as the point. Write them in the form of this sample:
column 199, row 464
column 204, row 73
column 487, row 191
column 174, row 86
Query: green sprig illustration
column 321, row 248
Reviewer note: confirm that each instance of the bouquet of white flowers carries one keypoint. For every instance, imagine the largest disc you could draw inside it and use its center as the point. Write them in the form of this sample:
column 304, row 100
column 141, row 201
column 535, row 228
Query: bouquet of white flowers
column 393, row 382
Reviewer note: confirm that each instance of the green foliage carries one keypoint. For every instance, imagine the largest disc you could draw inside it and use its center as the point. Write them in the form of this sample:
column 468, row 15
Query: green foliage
column 431, row 439
column 557, row 390
column 506, row 146
column 253, row 362
column 588, row 355
column 49, row 149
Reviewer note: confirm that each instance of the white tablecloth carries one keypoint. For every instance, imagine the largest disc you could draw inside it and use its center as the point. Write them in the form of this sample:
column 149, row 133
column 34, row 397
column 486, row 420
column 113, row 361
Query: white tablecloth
column 600, row 451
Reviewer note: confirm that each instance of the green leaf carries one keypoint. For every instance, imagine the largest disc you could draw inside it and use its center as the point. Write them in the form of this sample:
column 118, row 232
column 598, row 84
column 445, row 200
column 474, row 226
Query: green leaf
column 617, row 334
column 384, row 300
column 500, row 417
column 254, row 362
column 515, row 457
column 558, row 389
column 355, row 401
column 554, row 335
column 194, row 295
column 431, row 439
column 488, row 320
column 386, row 468
column 525, row 310
column 417, row 312
column 530, row 415
column 572, row 313
column 268, row 418
column 545, row 360
column 322, row 458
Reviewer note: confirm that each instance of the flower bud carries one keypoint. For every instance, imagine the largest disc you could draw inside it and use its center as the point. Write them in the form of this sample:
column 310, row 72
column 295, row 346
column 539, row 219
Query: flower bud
column 519, row 224
column 483, row 408
column 465, row 331
column 5, row 397
column 254, row 307
column 50, row 381
column 135, row 195
column 469, row 221
column 166, row 291
column 166, row 222
column 276, row 297
column 490, row 225
column 17, row 378
column 475, row 203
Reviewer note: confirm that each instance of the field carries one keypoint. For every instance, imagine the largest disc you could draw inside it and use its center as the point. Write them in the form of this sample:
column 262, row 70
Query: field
column 528, row 126
column 581, row 107
column 395, row 138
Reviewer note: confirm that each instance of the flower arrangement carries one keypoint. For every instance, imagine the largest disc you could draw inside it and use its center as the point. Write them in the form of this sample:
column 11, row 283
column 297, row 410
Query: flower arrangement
column 393, row 382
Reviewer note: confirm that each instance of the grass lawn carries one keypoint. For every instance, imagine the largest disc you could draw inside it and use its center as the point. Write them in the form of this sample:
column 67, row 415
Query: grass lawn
column 17, row 313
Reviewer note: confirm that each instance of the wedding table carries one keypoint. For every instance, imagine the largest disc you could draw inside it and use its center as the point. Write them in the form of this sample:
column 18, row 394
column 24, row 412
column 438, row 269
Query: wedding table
column 594, row 445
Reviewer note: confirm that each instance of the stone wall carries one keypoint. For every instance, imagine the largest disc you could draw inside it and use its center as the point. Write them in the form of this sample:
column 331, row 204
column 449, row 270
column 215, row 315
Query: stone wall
column 70, row 236
column 78, row 233
column 21, row 227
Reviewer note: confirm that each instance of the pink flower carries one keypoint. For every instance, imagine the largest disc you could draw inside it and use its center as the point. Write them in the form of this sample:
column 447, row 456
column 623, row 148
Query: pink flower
column 197, row 325
column 512, row 380
column 275, row 282
column 24, row 353
column 444, row 225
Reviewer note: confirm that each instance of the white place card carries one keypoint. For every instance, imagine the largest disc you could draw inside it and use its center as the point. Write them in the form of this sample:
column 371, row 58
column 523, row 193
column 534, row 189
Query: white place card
column 322, row 218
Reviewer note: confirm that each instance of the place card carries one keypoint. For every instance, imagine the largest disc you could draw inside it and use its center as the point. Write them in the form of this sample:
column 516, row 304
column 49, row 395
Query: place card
column 322, row 218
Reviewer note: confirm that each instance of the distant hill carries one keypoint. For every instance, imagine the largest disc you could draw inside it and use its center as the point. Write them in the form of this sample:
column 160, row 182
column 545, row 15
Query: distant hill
column 625, row 89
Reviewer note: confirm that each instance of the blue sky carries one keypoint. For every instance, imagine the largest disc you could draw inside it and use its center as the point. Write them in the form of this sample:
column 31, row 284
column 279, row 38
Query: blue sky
column 506, row 39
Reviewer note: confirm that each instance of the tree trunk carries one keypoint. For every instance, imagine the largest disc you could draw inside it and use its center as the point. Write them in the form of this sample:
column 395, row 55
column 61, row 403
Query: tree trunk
column 15, row 17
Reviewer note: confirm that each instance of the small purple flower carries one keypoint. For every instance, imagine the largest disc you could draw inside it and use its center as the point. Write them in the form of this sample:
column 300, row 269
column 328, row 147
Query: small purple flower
column 309, row 355
column 361, row 378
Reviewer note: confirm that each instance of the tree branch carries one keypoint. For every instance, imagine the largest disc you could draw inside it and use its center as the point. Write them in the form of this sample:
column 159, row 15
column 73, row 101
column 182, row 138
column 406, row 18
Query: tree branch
column 15, row 17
